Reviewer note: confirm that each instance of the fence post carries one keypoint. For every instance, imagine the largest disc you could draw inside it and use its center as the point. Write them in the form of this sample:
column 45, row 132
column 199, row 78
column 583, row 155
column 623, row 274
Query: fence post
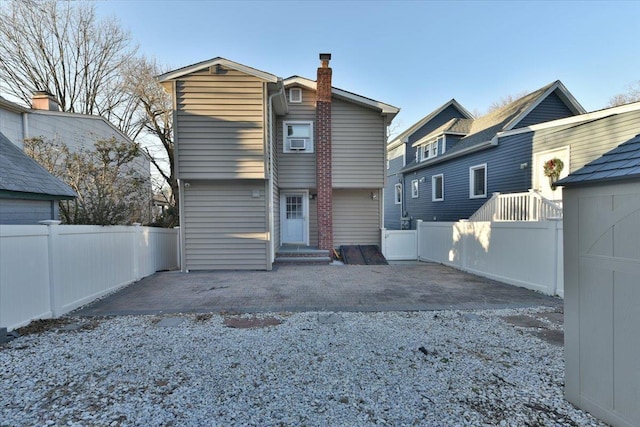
column 55, row 288
column 418, row 227
column 136, row 250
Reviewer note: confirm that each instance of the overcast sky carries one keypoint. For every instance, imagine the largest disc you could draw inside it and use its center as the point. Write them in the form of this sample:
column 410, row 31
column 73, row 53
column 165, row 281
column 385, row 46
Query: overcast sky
column 415, row 55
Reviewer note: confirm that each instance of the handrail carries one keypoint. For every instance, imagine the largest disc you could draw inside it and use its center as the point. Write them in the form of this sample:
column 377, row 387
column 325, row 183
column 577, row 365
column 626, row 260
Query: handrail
column 529, row 206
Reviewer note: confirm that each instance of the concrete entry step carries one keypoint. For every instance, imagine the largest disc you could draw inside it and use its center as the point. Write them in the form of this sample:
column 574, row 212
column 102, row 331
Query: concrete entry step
column 362, row 255
column 301, row 254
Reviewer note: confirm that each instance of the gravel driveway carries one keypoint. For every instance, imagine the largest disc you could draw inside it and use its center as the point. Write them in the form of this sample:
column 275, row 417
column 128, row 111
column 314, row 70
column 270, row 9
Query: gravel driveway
column 482, row 367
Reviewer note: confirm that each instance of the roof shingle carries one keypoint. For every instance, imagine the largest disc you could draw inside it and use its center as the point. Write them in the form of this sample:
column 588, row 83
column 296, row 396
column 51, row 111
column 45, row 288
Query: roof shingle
column 20, row 173
column 623, row 162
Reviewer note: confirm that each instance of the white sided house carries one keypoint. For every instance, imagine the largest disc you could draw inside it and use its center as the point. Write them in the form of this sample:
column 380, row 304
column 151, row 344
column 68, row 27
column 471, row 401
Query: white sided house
column 265, row 163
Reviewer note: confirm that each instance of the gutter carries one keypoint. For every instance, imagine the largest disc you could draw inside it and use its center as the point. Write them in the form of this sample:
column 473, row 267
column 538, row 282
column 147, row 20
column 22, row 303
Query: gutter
column 270, row 138
column 493, row 142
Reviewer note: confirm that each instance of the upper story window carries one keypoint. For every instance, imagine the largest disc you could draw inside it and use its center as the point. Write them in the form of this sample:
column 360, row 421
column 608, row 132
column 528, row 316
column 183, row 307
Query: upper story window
column 398, row 199
column 295, row 95
column 431, row 149
column 437, row 188
column 478, row 181
column 298, row 137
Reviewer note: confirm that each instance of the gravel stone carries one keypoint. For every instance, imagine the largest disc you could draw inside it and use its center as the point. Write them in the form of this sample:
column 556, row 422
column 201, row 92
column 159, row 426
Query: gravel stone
column 385, row 368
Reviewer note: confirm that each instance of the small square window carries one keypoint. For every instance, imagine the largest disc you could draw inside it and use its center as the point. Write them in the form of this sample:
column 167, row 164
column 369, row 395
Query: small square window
column 295, row 95
column 398, row 199
column 414, row 189
column 437, row 188
column 478, row 181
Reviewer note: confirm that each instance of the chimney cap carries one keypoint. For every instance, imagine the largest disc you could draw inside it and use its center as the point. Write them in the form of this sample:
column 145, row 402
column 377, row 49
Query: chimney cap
column 325, row 56
column 42, row 93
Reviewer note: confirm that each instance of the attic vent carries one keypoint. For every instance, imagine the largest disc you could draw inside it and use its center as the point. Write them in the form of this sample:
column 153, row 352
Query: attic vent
column 298, row 144
column 217, row 69
column 295, row 95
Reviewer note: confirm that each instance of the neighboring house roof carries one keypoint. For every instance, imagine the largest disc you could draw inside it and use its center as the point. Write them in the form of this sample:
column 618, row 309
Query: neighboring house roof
column 623, row 162
column 385, row 109
column 455, row 126
column 401, row 138
column 484, row 131
column 12, row 106
column 171, row 75
column 21, row 174
column 486, row 127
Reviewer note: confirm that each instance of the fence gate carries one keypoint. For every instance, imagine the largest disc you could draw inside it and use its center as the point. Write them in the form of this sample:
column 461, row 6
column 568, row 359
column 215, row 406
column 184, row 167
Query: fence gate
column 400, row 245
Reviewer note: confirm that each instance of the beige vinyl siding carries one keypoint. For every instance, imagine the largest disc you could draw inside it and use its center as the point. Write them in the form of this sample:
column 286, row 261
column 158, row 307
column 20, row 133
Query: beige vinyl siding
column 297, row 170
column 358, row 146
column 220, row 126
column 225, row 227
column 356, row 217
column 591, row 140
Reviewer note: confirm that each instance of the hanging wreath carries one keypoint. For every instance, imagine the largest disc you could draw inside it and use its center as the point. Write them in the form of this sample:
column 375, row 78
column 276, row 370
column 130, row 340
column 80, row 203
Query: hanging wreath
column 552, row 169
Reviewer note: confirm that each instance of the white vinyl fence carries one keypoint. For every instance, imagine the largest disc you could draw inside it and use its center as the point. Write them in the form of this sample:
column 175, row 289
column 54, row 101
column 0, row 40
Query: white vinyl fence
column 526, row 254
column 522, row 253
column 400, row 245
column 49, row 270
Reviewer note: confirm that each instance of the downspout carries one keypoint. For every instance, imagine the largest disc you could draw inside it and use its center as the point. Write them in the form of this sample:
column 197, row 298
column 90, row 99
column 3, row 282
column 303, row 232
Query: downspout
column 270, row 121
column 384, row 171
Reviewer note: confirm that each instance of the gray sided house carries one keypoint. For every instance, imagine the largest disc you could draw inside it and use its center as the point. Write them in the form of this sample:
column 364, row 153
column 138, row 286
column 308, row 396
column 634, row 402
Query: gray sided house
column 264, row 162
column 452, row 171
column 401, row 148
column 77, row 131
column 602, row 286
column 28, row 193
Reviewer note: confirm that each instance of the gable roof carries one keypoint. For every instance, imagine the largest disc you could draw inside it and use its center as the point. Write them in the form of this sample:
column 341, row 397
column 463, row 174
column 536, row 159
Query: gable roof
column 507, row 117
column 623, row 162
column 401, row 138
column 456, row 126
column 19, row 173
column 483, row 132
column 171, row 75
column 385, row 109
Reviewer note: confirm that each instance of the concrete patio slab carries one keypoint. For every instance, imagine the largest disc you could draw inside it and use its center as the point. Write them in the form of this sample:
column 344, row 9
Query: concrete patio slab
column 289, row 288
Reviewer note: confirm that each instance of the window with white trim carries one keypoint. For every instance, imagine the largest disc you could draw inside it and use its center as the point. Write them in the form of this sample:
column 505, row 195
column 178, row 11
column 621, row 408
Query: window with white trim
column 295, row 95
column 478, row 181
column 414, row 189
column 398, row 199
column 437, row 188
column 298, row 137
column 431, row 148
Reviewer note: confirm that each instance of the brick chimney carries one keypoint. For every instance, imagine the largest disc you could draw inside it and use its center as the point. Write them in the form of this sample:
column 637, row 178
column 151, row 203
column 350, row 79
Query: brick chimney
column 323, row 154
column 43, row 100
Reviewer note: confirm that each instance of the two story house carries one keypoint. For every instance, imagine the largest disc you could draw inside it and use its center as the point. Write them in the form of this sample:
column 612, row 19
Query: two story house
column 265, row 162
column 401, row 147
column 77, row 131
column 452, row 170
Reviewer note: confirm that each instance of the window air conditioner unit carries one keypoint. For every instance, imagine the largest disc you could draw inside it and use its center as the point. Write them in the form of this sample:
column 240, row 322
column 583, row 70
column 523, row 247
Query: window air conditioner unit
column 297, row 144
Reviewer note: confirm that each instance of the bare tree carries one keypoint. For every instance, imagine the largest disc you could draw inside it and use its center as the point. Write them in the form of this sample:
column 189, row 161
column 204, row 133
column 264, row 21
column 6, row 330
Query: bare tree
column 632, row 95
column 505, row 100
column 154, row 118
column 110, row 190
column 63, row 48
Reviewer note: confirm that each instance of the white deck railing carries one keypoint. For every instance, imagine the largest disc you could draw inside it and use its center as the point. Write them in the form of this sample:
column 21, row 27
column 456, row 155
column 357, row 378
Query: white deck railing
column 530, row 206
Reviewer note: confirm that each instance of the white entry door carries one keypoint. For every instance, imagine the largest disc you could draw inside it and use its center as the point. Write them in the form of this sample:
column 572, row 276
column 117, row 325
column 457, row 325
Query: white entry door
column 294, row 207
column 540, row 181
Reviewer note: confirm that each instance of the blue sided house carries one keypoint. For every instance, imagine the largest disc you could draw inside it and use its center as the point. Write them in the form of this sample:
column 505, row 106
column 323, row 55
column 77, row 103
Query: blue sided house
column 446, row 166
